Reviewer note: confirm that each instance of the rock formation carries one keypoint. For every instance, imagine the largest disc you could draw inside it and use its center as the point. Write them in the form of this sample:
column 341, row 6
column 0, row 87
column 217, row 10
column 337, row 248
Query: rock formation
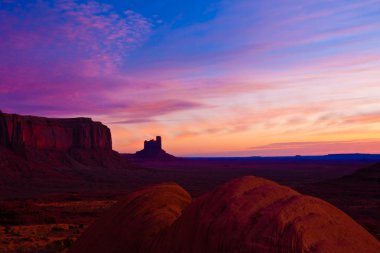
column 153, row 146
column 135, row 220
column 44, row 155
column 19, row 132
column 153, row 150
column 248, row 214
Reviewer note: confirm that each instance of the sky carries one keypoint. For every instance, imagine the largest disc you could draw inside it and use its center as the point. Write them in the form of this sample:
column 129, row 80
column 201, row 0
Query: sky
column 212, row 77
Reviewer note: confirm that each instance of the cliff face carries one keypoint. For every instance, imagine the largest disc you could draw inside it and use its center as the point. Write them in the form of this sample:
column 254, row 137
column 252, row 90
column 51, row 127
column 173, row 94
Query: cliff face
column 18, row 131
column 44, row 156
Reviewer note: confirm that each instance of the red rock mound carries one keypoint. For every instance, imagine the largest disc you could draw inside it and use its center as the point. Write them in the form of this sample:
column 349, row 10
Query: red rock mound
column 256, row 215
column 249, row 214
column 134, row 222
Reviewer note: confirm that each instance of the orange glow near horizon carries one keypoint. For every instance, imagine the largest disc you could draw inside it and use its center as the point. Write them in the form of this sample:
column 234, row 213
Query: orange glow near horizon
column 295, row 107
column 234, row 78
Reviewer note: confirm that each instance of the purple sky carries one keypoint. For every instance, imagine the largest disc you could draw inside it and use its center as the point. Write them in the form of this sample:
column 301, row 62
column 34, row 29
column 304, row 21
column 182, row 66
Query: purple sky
column 212, row 77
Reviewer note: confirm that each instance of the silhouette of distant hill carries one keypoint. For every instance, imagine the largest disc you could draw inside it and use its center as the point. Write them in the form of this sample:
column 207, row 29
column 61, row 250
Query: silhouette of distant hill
column 355, row 156
column 152, row 151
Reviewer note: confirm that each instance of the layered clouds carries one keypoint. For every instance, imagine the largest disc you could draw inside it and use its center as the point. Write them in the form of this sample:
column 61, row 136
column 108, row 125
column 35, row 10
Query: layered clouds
column 249, row 74
column 60, row 57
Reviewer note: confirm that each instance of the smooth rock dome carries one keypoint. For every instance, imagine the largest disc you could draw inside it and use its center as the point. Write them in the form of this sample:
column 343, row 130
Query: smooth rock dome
column 248, row 214
column 132, row 224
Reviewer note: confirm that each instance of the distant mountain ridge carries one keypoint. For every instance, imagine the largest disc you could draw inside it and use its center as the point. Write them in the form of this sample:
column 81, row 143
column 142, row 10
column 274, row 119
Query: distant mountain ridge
column 353, row 156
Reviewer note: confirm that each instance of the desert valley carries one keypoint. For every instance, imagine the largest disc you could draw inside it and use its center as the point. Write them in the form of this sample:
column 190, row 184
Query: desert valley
column 61, row 180
column 209, row 126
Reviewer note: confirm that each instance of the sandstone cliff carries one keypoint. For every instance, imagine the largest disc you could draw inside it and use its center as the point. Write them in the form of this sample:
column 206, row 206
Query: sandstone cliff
column 248, row 214
column 43, row 155
column 18, row 131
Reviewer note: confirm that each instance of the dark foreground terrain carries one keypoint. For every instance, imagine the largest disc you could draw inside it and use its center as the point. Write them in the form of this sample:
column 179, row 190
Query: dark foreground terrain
column 357, row 194
column 247, row 214
column 52, row 222
column 199, row 175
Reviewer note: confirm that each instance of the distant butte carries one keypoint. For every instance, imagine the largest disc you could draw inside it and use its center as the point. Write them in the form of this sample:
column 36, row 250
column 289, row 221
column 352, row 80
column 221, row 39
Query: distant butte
column 153, row 150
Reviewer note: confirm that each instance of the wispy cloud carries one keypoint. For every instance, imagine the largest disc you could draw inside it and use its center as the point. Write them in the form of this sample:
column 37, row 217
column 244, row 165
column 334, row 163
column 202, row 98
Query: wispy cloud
column 132, row 121
column 65, row 45
column 90, row 29
column 252, row 73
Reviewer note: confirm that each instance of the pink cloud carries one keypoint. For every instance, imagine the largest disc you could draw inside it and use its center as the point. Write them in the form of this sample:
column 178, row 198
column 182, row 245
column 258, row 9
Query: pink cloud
column 148, row 109
column 364, row 118
column 244, row 74
column 62, row 57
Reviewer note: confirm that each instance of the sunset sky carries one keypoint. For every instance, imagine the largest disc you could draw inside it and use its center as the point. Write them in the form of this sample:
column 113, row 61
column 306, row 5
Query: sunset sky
column 213, row 78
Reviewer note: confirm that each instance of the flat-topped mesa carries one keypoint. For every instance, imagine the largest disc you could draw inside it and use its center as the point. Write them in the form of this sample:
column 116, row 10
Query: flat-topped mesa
column 63, row 134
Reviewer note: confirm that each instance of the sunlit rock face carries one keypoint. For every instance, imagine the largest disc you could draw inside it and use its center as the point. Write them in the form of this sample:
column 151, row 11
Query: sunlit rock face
column 32, row 132
column 248, row 214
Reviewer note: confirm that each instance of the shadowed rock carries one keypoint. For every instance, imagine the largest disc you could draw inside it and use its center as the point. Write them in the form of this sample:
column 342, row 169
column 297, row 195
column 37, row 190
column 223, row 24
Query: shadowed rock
column 248, row 214
column 20, row 132
column 58, row 142
column 45, row 155
column 357, row 194
column 133, row 223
